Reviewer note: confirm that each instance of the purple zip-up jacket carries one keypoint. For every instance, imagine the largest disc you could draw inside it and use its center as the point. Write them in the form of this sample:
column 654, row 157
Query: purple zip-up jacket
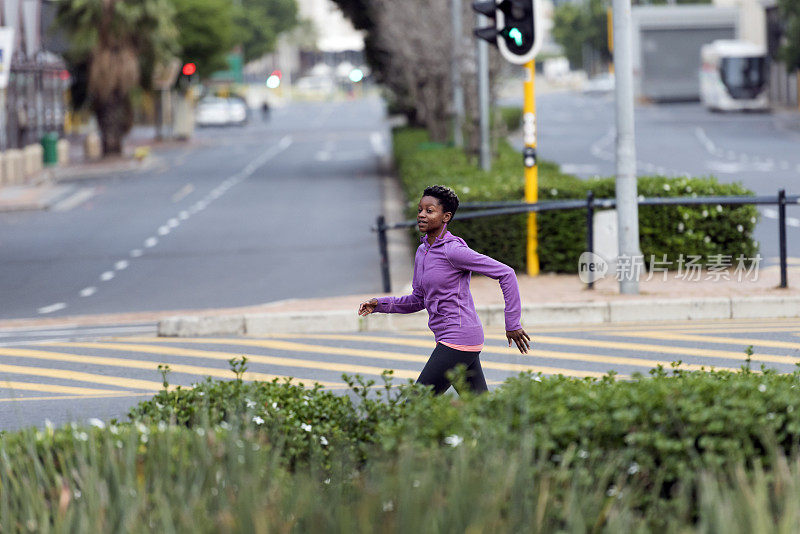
column 441, row 285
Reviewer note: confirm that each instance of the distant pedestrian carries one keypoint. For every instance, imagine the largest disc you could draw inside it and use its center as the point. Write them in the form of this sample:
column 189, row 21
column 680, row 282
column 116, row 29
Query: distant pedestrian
column 442, row 268
column 265, row 110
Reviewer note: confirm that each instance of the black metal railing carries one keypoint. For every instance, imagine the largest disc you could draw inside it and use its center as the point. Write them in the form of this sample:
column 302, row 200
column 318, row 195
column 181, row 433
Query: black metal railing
column 492, row 209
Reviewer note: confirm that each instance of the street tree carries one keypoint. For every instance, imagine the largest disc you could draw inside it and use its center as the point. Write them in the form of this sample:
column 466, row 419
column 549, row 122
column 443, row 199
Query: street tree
column 789, row 51
column 206, row 33
column 260, row 22
column 114, row 38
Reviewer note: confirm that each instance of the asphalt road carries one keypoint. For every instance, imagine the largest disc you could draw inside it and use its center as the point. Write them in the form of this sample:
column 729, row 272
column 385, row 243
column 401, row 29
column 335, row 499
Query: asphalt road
column 759, row 150
column 241, row 216
column 68, row 374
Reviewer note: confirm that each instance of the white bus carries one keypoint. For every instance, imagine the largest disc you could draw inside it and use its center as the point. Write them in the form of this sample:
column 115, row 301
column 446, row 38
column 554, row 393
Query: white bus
column 733, row 76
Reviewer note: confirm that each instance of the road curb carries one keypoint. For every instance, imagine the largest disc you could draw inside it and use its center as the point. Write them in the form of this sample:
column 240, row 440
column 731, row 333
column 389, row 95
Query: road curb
column 578, row 313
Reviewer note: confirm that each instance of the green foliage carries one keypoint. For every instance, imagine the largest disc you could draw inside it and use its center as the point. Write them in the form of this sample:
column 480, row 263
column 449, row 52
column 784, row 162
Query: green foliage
column 260, row 22
column 669, row 451
column 579, row 25
column 207, row 33
column 664, row 230
column 789, row 51
column 511, row 117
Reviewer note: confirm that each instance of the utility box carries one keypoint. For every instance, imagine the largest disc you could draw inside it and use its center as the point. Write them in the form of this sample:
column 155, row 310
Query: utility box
column 666, row 47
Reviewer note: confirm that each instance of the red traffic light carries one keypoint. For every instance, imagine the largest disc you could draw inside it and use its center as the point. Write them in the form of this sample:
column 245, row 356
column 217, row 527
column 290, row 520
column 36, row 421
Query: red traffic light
column 276, row 73
column 189, row 69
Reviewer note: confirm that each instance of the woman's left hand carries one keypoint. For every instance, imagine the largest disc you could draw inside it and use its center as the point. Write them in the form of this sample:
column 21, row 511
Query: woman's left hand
column 520, row 338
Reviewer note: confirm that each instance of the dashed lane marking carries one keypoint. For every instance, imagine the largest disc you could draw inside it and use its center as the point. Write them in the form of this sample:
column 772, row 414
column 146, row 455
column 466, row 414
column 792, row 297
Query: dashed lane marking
column 140, row 364
column 52, row 308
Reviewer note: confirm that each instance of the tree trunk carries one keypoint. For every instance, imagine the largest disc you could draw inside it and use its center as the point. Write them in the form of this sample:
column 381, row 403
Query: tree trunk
column 115, row 118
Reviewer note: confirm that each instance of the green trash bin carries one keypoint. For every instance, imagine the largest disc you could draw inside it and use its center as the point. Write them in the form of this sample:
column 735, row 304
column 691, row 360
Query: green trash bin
column 50, row 146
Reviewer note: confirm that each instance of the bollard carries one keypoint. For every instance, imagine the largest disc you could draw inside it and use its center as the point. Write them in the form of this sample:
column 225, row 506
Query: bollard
column 387, row 283
column 590, row 230
column 14, row 167
column 92, row 149
column 2, row 169
column 782, row 233
column 62, row 149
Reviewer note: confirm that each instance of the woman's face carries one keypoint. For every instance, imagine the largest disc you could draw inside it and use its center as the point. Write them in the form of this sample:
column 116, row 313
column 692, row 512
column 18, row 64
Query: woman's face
column 430, row 215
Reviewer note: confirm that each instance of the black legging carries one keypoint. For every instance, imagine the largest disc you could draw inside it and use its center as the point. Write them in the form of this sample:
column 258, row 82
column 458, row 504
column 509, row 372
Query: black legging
column 445, row 358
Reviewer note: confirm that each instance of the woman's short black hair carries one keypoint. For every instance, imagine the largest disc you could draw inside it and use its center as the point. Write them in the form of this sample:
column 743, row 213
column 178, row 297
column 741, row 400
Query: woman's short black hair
column 446, row 197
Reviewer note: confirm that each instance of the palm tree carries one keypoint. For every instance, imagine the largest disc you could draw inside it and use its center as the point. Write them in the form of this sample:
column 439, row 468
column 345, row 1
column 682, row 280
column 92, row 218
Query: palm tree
column 118, row 40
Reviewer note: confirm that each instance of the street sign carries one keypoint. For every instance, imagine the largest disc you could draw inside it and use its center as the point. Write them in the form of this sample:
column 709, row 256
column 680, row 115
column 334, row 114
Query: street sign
column 6, row 51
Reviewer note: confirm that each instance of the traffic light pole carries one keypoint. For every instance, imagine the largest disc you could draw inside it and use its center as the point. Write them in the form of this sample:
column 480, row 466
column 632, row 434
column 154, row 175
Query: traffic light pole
column 531, row 164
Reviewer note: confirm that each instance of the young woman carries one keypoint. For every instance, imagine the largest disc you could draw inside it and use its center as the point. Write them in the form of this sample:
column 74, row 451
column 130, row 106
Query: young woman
column 442, row 269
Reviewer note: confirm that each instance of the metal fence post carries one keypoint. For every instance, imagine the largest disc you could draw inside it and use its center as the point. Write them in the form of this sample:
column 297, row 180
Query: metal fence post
column 590, row 230
column 387, row 283
column 782, row 233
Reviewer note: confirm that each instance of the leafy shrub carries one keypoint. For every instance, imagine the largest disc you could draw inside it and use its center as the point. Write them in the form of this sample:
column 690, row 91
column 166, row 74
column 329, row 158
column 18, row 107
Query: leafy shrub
column 664, row 230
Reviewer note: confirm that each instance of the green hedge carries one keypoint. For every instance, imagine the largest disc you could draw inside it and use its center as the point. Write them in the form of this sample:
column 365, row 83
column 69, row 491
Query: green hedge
column 668, row 230
column 567, row 454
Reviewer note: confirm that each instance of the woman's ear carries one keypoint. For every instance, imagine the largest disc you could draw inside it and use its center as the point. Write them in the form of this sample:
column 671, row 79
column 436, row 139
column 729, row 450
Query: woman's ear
column 447, row 216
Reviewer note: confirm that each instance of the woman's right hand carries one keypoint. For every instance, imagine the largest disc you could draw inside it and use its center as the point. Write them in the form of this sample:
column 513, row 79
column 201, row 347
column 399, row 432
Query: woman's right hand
column 367, row 307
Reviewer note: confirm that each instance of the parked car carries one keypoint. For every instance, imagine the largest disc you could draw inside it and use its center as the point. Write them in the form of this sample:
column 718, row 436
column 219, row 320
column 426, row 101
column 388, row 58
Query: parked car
column 217, row 111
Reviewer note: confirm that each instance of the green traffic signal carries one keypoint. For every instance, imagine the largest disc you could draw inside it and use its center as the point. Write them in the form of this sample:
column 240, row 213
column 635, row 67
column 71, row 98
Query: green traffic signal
column 516, row 35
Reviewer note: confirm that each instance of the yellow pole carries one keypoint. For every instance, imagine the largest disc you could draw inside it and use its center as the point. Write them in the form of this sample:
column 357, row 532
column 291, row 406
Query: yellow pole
column 531, row 169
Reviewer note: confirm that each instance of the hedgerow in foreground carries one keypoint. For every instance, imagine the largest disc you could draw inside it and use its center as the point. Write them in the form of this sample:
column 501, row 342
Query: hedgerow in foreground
column 667, row 451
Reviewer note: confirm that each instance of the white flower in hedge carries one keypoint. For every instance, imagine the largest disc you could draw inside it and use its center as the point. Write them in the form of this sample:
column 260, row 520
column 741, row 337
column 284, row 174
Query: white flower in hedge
column 686, row 216
column 275, row 405
column 666, row 187
column 740, row 227
column 689, row 232
column 612, row 491
column 688, row 188
column 707, row 239
column 583, row 454
column 162, row 426
column 249, row 403
column 454, row 441
column 465, row 189
column 680, row 227
column 80, row 436
column 306, row 427
column 753, row 220
column 719, row 208
column 762, row 388
column 258, row 420
column 323, row 440
column 537, row 378
column 388, row 506
column 94, row 421
column 640, row 197
column 633, row 469
column 141, row 428
column 705, row 213
column 554, row 192
column 201, row 431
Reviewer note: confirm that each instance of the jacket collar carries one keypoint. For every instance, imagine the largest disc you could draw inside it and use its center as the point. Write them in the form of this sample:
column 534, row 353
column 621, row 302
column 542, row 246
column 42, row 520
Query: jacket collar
column 443, row 236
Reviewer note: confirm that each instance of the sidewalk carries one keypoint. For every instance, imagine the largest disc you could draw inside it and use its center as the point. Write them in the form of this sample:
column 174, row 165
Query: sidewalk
column 46, row 189
column 547, row 299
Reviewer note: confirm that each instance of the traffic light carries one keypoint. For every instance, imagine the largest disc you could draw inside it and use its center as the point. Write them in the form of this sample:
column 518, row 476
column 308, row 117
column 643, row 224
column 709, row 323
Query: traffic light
column 189, row 69
column 514, row 31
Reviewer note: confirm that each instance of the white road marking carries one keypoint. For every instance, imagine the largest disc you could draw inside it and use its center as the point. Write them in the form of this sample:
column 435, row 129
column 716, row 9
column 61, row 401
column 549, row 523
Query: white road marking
column 793, row 221
column 182, row 193
column 88, row 291
column 183, row 215
column 121, row 264
column 74, row 199
column 164, row 230
column 150, row 242
column 579, row 168
column 376, row 140
column 135, row 253
column 106, row 276
column 52, row 308
column 173, row 223
column 769, row 213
